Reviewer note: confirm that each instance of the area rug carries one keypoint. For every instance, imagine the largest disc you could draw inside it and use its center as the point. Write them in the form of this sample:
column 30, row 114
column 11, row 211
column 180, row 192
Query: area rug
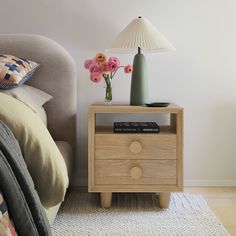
column 136, row 215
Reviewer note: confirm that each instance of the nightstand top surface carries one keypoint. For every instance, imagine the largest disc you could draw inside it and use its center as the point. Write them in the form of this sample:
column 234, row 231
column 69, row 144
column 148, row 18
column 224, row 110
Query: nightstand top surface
column 126, row 108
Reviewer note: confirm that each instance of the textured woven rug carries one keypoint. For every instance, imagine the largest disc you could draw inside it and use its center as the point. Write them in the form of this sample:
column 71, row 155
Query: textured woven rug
column 136, row 215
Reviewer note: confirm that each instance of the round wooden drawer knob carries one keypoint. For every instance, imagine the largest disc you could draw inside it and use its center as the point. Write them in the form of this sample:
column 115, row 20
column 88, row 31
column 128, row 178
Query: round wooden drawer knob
column 136, row 172
column 135, row 147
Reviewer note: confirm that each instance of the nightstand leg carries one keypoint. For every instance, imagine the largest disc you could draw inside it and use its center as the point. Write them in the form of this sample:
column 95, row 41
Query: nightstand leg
column 105, row 199
column 164, row 200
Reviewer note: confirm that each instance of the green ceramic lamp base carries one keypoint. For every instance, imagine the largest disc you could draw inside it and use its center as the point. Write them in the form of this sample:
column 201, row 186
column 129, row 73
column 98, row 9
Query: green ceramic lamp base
column 139, row 82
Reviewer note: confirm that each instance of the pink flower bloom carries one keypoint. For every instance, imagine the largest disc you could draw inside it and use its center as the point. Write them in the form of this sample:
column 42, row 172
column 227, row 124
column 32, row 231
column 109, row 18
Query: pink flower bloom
column 112, row 66
column 94, row 68
column 104, row 67
column 96, row 77
column 115, row 60
column 88, row 63
column 128, row 69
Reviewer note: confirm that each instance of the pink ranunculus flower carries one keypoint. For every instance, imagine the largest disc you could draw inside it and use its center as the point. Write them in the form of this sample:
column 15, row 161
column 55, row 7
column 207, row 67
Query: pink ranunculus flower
column 114, row 59
column 94, row 68
column 128, row 69
column 88, row 63
column 96, row 77
column 112, row 66
column 104, row 67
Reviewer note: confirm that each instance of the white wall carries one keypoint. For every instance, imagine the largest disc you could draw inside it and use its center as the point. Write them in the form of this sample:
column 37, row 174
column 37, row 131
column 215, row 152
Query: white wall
column 200, row 76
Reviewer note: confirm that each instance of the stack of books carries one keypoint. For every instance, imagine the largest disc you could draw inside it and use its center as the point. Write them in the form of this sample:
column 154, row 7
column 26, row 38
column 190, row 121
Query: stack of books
column 136, row 127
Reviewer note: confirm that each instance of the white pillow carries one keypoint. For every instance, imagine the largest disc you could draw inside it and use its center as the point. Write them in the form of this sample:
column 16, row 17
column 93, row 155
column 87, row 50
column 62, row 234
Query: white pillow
column 32, row 97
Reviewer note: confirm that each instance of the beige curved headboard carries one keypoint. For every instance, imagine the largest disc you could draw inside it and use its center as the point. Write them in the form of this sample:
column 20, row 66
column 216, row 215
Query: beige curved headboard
column 56, row 76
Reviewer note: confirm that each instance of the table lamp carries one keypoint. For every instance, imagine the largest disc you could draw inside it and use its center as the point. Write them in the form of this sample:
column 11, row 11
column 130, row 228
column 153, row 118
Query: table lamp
column 139, row 35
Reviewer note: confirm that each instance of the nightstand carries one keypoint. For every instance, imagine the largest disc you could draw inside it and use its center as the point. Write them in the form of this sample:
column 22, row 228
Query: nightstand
column 135, row 162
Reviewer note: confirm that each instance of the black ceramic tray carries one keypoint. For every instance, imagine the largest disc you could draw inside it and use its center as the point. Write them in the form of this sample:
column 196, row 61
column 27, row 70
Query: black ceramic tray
column 157, row 104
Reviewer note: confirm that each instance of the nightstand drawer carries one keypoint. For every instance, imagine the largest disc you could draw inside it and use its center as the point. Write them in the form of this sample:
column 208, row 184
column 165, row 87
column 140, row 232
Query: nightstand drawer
column 114, row 172
column 135, row 146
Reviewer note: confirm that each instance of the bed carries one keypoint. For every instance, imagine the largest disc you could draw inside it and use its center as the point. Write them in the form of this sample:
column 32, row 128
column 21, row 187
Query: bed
column 57, row 77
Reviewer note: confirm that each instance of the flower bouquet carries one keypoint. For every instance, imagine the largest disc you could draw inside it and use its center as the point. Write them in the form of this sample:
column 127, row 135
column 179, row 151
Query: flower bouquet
column 101, row 68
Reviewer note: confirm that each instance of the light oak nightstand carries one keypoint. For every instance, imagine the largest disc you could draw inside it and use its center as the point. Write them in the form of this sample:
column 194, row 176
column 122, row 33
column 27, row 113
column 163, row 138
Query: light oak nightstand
column 135, row 162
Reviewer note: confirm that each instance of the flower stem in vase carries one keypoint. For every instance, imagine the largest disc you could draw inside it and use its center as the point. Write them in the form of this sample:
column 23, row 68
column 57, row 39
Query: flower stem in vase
column 108, row 92
column 108, row 97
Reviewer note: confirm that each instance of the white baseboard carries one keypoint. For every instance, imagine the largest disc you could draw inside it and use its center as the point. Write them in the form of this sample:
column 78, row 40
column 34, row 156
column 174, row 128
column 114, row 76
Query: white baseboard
column 187, row 183
column 209, row 183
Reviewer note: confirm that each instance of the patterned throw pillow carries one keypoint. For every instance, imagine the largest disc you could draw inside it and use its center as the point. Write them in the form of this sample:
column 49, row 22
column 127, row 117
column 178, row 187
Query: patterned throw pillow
column 15, row 71
column 6, row 225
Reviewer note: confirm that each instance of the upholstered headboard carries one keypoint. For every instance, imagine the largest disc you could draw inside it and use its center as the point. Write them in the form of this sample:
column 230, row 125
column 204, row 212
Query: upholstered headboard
column 56, row 76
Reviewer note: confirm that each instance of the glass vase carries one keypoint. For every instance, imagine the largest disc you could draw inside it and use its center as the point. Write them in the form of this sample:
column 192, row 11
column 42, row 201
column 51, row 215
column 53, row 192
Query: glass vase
column 108, row 91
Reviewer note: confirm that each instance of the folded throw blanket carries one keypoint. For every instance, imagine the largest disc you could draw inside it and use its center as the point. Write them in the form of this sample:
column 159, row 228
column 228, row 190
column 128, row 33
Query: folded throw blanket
column 16, row 183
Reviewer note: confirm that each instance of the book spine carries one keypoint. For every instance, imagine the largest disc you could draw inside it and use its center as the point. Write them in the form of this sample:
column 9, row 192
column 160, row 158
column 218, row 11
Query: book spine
column 134, row 130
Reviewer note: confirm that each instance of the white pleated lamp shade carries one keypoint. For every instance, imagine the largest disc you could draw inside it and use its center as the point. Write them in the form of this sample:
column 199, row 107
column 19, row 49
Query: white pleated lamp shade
column 140, row 33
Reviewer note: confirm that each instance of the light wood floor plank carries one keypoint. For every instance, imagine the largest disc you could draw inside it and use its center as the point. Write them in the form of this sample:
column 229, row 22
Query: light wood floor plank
column 222, row 201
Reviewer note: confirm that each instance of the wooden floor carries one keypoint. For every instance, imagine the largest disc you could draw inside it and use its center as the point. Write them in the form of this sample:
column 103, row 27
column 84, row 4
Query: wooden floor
column 222, row 201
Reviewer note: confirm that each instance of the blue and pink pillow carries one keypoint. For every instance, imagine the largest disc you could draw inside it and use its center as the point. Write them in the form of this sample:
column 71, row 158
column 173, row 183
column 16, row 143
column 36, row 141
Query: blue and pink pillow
column 15, row 71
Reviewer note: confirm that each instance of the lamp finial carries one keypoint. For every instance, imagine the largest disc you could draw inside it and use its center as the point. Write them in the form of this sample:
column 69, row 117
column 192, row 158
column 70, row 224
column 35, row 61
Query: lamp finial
column 139, row 50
